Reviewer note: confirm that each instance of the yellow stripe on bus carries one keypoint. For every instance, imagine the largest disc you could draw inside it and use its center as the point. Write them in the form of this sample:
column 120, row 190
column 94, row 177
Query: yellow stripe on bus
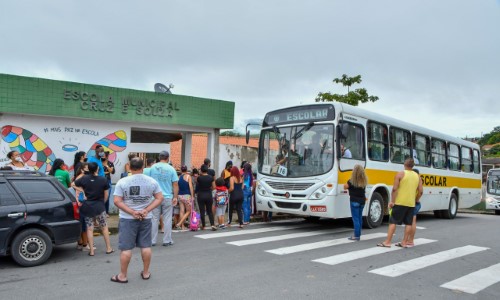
column 428, row 180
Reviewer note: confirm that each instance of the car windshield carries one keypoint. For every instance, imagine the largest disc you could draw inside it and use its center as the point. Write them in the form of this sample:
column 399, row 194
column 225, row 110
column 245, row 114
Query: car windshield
column 296, row 151
column 493, row 184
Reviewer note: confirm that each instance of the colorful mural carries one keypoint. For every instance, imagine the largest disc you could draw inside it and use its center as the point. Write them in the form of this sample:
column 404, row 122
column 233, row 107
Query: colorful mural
column 37, row 154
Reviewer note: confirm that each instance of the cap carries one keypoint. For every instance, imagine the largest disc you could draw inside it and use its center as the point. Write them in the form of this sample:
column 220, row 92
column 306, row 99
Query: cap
column 164, row 154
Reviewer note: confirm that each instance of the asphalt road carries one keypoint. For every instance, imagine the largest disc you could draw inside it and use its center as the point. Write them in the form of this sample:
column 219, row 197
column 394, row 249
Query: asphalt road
column 290, row 259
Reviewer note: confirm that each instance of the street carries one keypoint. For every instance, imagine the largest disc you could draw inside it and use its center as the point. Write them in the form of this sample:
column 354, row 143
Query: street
column 290, row 259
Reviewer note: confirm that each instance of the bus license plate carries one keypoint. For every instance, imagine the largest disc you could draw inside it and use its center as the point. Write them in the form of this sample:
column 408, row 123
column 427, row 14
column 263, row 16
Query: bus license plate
column 318, row 208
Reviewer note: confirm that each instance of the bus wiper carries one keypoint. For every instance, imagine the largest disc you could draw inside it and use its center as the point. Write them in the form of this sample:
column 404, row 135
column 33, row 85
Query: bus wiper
column 304, row 129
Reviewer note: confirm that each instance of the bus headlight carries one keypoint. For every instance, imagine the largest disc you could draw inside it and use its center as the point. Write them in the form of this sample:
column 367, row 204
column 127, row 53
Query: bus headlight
column 491, row 200
column 319, row 193
column 261, row 190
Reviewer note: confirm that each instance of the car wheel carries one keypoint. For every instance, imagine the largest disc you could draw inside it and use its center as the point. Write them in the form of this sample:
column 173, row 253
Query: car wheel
column 497, row 212
column 31, row 247
column 452, row 210
column 375, row 212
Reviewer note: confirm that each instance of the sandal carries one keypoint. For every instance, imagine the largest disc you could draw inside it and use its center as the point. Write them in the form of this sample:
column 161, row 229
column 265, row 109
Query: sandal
column 116, row 279
column 399, row 244
column 383, row 245
column 353, row 238
column 145, row 278
column 112, row 250
column 177, row 227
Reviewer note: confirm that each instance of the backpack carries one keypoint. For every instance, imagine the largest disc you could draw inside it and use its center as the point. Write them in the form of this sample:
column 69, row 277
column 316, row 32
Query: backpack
column 194, row 220
column 221, row 198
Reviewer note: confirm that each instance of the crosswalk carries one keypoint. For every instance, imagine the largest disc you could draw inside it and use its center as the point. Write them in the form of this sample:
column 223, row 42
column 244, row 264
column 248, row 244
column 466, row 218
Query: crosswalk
column 470, row 283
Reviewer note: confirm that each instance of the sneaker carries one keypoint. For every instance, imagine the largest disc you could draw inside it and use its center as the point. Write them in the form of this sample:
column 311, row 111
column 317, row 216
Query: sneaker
column 79, row 247
column 153, row 244
column 168, row 244
column 214, row 228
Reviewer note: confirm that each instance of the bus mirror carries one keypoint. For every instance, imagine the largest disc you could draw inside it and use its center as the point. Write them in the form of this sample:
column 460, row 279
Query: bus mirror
column 247, row 136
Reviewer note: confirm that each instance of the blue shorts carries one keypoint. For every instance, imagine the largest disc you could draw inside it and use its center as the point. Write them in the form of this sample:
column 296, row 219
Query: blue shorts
column 134, row 233
column 418, row 206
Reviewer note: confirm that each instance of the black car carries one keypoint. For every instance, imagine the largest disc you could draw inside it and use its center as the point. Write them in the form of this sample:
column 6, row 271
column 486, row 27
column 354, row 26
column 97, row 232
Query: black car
column 36, row 212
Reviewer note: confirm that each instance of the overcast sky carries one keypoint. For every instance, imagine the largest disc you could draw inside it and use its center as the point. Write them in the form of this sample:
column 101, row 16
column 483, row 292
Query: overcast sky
column 432, row 63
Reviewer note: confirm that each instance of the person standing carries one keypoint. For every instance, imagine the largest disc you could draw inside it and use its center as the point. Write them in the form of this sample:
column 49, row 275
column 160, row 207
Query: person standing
column 58, row 172
column 226, row 173
column 16, row 162
column 96, row 191
column 166, row 176
column 205, row 185
column 80, row 157
column 247, row 193
column 418, row 206
column 207, row 162
column 136, row 196
column 186, row 196
column 109, row 169
column 99, row 154
column 357, row 196
column 406, row 190
column 235, row 196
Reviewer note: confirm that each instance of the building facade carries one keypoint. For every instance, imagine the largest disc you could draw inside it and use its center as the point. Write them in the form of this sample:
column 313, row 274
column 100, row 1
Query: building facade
column 47, row 119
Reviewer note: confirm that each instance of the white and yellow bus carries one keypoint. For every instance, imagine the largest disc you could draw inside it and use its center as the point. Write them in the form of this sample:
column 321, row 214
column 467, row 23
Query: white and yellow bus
column 301, row 168
column 492, row 195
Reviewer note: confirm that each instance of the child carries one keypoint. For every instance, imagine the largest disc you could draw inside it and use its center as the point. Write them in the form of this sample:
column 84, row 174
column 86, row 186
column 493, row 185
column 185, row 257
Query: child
column 221, row 199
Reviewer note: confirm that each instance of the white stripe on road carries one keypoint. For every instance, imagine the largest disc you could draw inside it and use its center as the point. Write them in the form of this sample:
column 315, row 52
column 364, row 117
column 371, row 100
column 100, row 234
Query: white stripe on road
column 285, row 237
column 476, row 281
column 418, row 227
column 349, row 256
column 238, row 231
column 426, row 261
column 322, row 244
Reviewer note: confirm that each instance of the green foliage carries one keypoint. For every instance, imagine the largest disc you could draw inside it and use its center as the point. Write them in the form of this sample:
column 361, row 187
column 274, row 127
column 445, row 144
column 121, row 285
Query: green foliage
column 230, row 133
column 490, row 138
column 495, row 151
column 352, row 97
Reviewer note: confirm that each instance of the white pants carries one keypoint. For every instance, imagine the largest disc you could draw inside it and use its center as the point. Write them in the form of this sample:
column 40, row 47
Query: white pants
column 165, row 210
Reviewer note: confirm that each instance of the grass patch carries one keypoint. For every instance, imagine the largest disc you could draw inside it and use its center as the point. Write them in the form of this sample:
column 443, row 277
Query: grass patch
column 480, row 206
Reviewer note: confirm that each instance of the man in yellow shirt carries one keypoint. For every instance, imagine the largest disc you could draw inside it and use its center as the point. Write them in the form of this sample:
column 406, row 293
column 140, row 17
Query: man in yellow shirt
column 406, row 190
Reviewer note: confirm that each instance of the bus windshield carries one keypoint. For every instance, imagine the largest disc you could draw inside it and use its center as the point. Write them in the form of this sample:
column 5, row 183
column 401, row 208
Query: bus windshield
column 493, row 183
column 296, row 151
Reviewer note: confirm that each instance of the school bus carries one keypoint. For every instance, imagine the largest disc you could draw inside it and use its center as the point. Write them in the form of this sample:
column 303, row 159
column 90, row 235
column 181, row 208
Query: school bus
column 307, row 153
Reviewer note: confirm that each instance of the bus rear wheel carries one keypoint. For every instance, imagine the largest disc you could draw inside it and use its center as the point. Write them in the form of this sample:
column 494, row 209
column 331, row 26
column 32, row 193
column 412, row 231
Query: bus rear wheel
column 497, row 212
column 452, row 210
column 375, row 212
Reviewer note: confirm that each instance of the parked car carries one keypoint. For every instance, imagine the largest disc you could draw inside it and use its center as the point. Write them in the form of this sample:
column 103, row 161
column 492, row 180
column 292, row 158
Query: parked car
column 36, row 212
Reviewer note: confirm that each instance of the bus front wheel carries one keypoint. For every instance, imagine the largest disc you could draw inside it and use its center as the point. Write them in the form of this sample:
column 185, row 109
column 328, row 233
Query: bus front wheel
column 375, row 211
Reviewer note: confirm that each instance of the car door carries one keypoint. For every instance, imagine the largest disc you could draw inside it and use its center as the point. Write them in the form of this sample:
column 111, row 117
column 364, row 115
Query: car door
column 12, row 213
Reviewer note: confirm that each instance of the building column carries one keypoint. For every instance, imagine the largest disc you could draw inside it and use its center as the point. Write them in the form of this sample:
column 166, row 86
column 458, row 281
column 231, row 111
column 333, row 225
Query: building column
column 213, row 148
column 187, row 142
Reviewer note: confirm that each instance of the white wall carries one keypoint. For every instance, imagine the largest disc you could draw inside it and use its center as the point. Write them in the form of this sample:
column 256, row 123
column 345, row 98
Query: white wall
column 66, row 136
column 236, row 154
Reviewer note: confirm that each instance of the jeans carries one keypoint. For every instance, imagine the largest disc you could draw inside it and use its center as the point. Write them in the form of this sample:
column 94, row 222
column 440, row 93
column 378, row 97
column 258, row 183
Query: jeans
column 357, row 217
column 165, row 210
column 247, row 204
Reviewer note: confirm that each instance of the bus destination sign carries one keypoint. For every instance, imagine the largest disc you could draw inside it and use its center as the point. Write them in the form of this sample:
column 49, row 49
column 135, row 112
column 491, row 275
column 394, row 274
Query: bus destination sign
column 303, row 114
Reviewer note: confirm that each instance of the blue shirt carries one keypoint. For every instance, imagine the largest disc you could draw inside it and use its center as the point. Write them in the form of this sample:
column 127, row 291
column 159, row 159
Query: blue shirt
column 165, row 175
column 98, row 161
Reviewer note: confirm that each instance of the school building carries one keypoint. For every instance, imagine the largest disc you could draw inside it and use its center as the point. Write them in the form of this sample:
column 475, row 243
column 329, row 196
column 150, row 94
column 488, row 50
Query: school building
column 47, row 119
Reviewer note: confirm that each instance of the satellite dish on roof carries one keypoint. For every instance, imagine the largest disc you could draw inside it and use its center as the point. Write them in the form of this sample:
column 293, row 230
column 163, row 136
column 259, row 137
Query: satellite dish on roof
column 161, row 88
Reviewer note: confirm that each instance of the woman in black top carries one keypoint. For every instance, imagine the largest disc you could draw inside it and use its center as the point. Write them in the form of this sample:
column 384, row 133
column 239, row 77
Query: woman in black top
column 356, row 187
column 205, row 185
column 236, row 186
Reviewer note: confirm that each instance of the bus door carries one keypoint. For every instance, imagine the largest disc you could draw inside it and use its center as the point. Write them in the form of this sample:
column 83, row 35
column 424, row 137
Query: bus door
column 351, row 143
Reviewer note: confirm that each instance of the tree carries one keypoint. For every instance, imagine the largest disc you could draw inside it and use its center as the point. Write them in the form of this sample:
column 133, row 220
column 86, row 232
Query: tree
column 352, row 97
